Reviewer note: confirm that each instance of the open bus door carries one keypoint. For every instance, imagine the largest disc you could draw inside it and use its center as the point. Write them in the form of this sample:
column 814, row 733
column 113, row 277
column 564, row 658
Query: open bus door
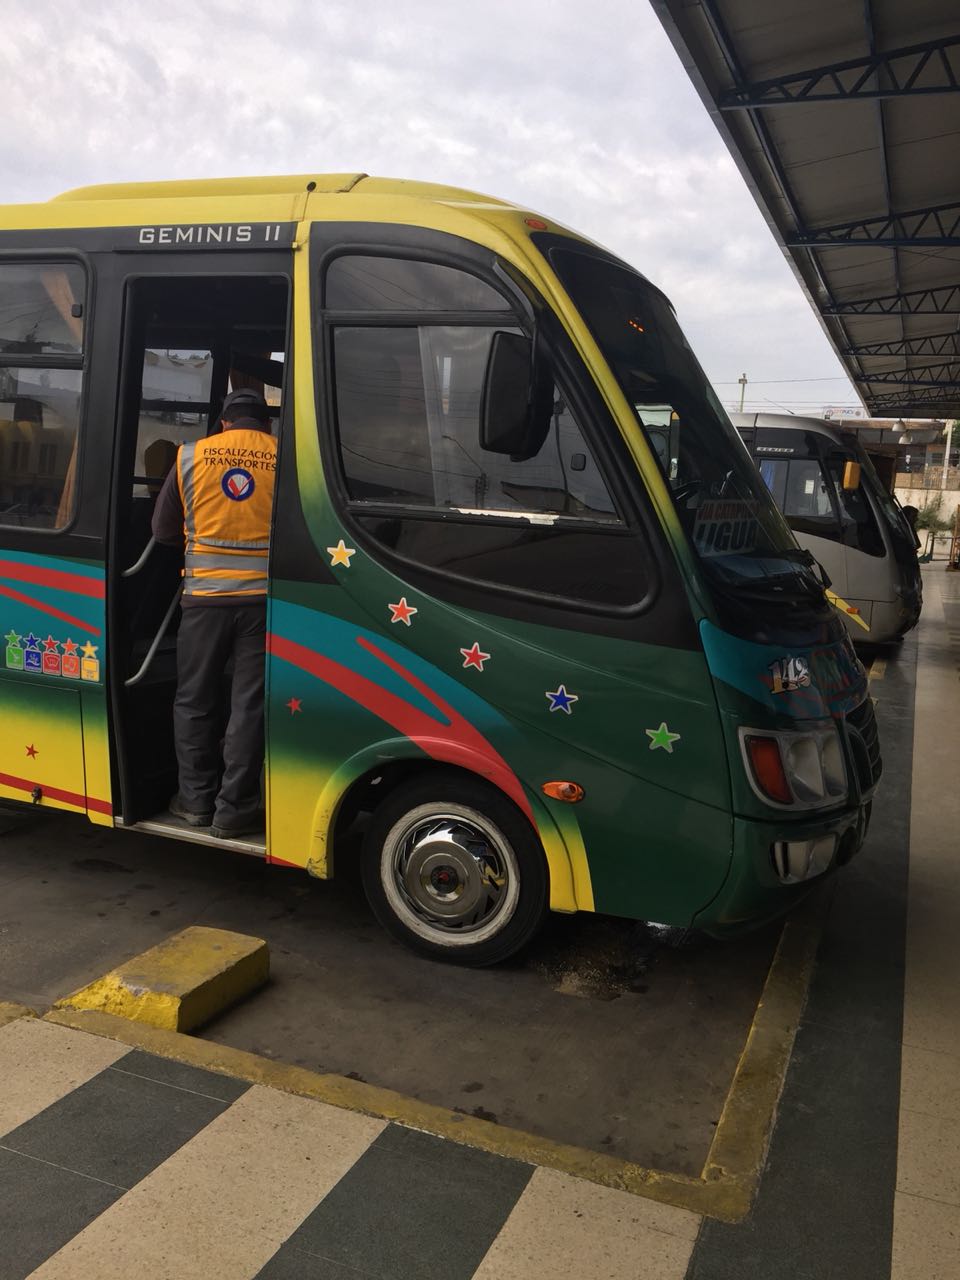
column 195, row 325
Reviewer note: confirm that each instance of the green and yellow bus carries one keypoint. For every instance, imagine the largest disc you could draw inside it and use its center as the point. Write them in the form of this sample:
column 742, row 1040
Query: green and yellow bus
column 532, row 610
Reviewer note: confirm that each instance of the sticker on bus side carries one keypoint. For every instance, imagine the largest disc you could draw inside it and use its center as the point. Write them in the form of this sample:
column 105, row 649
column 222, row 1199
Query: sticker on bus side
column 51, row 657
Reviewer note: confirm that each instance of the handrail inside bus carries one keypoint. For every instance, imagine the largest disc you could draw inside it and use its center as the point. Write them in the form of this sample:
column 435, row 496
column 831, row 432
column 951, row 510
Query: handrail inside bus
column 144, row 557
column 155, row 645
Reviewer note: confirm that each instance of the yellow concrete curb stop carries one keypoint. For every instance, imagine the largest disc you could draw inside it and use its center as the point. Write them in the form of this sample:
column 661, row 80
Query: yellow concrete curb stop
column 182, row 982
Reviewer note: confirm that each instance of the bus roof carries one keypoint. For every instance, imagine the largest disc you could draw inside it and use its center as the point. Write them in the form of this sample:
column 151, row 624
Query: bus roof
column 302, row 197
column 278, row 185
column 794, row 422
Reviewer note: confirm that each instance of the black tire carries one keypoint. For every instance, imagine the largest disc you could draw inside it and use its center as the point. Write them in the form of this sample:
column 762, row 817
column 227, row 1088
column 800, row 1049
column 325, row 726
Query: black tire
column 454, row 871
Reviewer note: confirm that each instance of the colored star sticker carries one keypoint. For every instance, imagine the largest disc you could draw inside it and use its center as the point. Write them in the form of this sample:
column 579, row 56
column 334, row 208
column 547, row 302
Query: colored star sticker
column 50, row 645
column 402, row 612
column 295, row 705
column 69, row 648
column 12, row 639
column 474, row 656
column 560, row 700
column 662, row 737
column 340, row 554
column 89, row 650
column 31, row 751
column 32, row 642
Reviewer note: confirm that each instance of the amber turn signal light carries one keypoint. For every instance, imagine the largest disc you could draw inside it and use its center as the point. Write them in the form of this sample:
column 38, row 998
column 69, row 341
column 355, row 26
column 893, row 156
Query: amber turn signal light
column 571, row 792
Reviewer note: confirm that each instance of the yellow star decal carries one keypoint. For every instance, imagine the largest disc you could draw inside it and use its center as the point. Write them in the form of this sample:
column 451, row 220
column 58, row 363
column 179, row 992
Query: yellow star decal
column 340, row 554
column 89, row 650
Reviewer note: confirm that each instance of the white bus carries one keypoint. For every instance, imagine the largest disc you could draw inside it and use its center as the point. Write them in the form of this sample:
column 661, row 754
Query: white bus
column 835, row 503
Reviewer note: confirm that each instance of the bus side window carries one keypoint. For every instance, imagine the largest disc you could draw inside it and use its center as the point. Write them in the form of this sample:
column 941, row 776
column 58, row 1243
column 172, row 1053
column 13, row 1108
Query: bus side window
column 41, row 381
column 806, row 495
column 408, row 402
column 859, row 525
column 800, row 488
column 407, row 391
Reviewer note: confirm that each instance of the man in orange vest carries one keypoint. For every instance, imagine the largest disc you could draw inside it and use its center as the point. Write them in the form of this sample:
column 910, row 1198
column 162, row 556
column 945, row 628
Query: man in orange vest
column 217, row 503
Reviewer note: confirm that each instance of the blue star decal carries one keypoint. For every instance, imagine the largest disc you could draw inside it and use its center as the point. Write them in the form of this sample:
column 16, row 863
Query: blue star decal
column 560, row 700
column 32, row 642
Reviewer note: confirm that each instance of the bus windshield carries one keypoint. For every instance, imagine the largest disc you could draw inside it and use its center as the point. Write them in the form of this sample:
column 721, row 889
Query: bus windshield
column 727, row 512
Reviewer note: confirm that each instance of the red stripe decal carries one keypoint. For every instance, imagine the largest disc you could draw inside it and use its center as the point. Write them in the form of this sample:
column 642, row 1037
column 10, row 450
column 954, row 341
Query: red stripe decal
column 55, row 793
column 49, row 608
column 282, row 862
column 78, row 584
column 456, row 742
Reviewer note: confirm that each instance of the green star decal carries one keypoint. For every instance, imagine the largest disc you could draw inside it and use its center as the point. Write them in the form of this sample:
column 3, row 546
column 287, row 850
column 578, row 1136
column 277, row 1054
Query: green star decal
column 662, row 737
column 12, row 639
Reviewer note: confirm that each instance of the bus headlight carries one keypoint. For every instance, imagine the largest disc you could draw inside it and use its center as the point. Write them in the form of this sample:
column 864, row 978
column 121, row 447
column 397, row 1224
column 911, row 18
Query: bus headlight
column 796, row 769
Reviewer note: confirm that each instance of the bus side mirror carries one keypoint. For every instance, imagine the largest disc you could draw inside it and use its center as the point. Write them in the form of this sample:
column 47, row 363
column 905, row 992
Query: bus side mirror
column 851, row 476
column 514, row 411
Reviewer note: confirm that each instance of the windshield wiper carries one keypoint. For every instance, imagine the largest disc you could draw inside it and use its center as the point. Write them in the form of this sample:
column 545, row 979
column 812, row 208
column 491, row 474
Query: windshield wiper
column 780, row 586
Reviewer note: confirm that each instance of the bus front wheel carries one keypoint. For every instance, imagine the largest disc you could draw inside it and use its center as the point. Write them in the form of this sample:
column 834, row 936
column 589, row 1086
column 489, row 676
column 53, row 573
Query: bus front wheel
column 454, row 871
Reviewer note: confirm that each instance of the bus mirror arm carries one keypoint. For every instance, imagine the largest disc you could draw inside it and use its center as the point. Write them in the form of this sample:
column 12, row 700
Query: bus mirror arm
column 155, row 644
column 144, row 557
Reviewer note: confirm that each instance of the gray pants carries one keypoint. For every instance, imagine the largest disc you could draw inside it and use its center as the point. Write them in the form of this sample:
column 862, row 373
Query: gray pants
column 209, row 637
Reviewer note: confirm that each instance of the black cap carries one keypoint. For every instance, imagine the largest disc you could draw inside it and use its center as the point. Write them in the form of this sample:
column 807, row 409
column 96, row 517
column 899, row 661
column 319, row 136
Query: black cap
column 245, row 397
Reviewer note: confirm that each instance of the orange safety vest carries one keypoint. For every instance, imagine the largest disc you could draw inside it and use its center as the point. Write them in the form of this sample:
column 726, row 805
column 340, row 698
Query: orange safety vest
column 226, row 485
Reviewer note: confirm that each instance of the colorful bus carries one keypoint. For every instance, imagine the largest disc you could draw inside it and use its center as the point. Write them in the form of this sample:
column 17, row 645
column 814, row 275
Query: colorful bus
column 536, row 628
column 834, row 501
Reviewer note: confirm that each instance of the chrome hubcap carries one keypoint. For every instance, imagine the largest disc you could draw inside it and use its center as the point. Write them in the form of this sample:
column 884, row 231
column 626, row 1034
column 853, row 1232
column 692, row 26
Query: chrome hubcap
column 449, row 874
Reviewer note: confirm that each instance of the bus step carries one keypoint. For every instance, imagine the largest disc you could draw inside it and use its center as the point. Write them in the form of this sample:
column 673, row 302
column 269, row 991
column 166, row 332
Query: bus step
column 166, row 824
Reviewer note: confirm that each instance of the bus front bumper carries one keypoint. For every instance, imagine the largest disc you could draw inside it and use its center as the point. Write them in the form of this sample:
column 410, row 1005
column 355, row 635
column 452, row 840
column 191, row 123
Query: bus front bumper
column 776, row 864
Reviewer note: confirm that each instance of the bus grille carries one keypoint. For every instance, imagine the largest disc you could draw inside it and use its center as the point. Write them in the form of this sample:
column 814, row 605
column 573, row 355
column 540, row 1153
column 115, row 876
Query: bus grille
column 865, row 744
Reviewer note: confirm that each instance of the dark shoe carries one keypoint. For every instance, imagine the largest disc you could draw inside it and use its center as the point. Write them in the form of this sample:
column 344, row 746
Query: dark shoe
column 235, row 828
column 189, row 816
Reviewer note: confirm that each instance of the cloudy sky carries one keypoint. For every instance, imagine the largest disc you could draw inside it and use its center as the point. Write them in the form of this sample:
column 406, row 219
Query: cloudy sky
column 575, row 109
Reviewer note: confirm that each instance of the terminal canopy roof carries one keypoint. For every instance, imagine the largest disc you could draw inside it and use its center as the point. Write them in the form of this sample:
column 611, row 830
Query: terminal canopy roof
column 844, row 118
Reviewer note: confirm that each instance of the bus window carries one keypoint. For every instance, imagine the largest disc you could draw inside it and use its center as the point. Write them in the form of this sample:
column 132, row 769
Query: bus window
column 733, row 525
column 408, row 398
column 41, row 309
column 358, row 282
column 198, row 341
column 858, row 523
column 801, row 491
column 408, row 410
column 171, row 377
column 41, row 352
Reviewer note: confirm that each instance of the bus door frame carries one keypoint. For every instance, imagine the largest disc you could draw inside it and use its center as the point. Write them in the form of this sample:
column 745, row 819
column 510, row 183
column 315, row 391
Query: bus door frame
column 125, row 269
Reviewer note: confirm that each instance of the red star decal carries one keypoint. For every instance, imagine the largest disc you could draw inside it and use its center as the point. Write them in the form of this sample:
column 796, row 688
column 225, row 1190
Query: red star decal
column 402, row 612
column 50, row 645
column 69, row 648
column 295, row 705
column 31, row 751
column 474, row 656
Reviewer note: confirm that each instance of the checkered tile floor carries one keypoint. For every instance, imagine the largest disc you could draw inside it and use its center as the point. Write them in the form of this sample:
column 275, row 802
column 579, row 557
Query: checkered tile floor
column 115, row 1163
